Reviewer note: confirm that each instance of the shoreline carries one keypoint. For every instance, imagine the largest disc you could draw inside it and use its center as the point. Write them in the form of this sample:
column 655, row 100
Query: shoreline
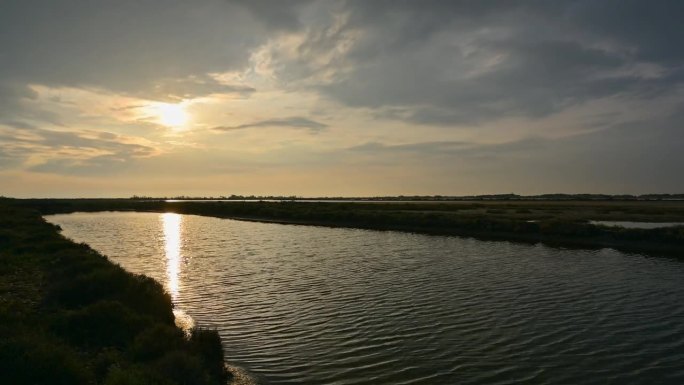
column 625, row 246
column 556, row 224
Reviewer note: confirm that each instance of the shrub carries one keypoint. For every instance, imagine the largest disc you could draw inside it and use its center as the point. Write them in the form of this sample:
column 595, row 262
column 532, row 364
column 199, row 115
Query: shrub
column 102, row 324
column 155, row 341
column 35, row 359
column 184, row 368
column 207, row 343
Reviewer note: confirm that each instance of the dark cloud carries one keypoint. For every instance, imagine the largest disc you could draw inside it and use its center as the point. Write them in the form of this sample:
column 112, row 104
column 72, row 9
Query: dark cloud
column 106, row 142
column 194, row 86
column 652, row 29
column 282, row 15
column 291, row 122
column 15, row 108
column 127, row 46
column 464, row 62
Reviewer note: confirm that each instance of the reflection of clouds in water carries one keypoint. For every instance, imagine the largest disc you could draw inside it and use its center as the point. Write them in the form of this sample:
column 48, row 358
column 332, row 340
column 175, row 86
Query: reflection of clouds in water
column 172, row 247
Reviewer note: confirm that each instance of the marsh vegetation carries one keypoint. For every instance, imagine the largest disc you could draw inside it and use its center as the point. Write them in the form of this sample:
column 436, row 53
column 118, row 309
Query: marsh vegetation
column 70, row 316
column 553, row 222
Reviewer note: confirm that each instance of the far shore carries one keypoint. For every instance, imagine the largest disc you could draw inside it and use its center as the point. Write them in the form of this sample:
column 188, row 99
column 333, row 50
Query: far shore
column 554, row 223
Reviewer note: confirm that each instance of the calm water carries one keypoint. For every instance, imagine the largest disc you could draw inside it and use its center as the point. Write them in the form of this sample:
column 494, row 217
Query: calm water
column 298, row 304
column 638, row 225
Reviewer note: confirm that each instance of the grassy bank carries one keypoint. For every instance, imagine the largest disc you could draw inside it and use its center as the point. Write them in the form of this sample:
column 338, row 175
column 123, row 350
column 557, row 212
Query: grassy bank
column 69, row 316
column 565, row 223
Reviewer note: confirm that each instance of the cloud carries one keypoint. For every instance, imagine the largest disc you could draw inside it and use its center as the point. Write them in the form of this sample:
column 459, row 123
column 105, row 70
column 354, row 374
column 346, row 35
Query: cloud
column 291, row 122
column 195, row 86
column 127, row 46
column 281, row 15
column 493, row 92
column 468, row 63
column 70, row 152
column 17, row 107
column 423, row 148
column 443, row 63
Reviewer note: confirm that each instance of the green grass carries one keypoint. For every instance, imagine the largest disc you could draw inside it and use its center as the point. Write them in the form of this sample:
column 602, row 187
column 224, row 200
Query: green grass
column 70, row 316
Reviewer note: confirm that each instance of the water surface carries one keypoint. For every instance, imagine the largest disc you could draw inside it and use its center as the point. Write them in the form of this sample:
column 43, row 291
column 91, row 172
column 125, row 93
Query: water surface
column 315, row 305
column 637, row 225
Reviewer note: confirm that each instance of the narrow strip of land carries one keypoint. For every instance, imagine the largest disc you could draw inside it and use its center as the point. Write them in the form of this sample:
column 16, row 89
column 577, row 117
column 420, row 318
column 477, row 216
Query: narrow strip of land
column 558, row 223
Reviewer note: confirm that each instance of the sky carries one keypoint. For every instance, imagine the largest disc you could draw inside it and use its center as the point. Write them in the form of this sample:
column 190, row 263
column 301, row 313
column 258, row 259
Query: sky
column 340, row 98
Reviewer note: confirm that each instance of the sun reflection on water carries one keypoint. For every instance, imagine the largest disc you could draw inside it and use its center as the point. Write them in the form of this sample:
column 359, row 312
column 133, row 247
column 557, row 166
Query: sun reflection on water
column 172, row 246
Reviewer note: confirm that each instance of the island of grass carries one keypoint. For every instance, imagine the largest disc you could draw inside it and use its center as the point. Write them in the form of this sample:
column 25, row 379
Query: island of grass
column 565, row 222
column 70, row 316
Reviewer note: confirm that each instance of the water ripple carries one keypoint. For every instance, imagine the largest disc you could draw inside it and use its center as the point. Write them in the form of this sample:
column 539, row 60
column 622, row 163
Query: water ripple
column 299, row 304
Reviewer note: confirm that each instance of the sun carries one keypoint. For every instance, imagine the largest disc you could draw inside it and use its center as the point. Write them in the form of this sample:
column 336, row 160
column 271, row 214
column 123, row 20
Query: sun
column 172, row 115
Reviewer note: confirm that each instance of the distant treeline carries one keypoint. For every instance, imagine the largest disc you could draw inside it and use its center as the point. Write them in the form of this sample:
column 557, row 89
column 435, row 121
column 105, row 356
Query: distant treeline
column 502, row 197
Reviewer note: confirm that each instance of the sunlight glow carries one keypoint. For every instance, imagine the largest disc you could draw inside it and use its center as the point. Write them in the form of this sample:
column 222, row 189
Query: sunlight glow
column 172, row 245
column 172, row 115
